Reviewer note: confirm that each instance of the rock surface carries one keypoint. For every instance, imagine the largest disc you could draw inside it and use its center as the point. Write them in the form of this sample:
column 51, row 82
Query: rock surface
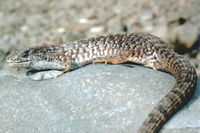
column 94, row 99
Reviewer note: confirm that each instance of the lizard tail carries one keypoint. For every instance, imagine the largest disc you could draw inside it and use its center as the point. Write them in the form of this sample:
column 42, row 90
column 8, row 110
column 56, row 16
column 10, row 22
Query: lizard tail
column 179, row 95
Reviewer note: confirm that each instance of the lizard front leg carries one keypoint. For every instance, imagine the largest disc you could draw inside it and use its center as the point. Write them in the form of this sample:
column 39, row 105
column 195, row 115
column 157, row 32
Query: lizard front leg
column 50, row 74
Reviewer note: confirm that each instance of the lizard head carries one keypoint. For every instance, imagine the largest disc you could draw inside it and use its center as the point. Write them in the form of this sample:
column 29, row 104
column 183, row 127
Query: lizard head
column 38, row 58
column 24, row 58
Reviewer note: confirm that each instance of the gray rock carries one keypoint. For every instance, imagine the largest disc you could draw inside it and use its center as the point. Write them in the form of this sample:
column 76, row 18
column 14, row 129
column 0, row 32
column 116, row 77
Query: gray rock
column 186, row 35
column 93, row 99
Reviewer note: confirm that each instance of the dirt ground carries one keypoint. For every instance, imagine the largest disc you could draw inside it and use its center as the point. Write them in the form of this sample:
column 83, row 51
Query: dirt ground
column 30, row 23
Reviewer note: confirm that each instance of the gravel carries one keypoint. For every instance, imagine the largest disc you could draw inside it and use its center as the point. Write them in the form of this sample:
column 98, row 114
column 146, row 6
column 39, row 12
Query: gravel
column 30, row 23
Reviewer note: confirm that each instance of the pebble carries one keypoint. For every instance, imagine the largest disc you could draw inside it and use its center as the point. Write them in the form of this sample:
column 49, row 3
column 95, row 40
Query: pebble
column 186, row 34
column 146, row 15
column 97, row 29
column 61, row 30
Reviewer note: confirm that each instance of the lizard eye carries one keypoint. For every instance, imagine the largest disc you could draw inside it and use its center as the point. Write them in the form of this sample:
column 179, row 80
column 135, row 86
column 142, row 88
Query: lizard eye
column 25, row 54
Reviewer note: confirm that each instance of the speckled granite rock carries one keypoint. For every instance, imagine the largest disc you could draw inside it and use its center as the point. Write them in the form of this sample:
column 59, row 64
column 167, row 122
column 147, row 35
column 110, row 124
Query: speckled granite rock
column 94, row 99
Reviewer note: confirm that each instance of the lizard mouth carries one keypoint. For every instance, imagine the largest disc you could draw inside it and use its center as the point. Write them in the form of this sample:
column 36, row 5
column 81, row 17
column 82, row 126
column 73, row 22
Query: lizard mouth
column 15, row 63
column 10, row 60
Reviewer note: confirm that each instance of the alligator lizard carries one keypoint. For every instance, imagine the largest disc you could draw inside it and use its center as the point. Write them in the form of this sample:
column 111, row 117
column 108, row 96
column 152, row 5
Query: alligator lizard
column 140, row 48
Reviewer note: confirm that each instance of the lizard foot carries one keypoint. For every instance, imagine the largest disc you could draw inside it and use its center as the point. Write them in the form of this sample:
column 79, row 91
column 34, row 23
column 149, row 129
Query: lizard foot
column 44, row 75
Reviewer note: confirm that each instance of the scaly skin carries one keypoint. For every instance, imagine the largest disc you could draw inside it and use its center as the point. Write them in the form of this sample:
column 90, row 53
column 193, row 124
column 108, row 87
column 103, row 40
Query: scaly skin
column 144, row 49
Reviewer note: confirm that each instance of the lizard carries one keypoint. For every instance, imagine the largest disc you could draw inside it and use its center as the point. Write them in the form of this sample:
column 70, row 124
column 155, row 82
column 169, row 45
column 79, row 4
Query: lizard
column 141, row 48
